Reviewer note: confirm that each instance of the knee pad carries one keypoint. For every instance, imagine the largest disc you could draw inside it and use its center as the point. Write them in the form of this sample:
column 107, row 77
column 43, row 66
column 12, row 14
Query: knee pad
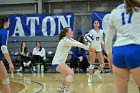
column 91, row 66
column 69, row 78
column 5, row 81
column 102, row 65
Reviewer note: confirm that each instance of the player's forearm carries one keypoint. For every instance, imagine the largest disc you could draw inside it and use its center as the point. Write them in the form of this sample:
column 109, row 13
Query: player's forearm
column 108, row 40
column 78, row 44
column 109, row 56
column 7, row 57
column 108, row 47
column 74, row 43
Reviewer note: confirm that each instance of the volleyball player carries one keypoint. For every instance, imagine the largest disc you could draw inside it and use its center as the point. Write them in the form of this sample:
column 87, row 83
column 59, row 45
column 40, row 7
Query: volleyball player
column 4, row 23
column 97, row 43
column 65, row 43
column 125, row 22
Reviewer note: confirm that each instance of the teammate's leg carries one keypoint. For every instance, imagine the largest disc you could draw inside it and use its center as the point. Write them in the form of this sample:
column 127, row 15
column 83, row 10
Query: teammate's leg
column 120, row 69
column 91, row 67
column 101, row 60
column 135, row 73
column 132, row 60
column 121, row 78
column 5, row 79
column 65, row 70
column 102, row 64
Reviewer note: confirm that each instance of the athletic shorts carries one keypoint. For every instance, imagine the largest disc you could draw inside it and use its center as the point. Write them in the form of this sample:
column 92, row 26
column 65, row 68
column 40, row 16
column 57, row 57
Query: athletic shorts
column 55, row 66
column 97, row 47
column 127, row 57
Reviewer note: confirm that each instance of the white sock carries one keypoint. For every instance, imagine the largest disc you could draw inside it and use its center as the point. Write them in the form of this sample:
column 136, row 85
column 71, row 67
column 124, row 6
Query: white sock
column 20, row 68
column 98, row 71
column 33, row 67
column 29, row 62
column 90, row 76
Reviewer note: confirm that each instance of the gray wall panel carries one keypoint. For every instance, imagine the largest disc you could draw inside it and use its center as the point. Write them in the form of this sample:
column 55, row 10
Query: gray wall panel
column 32, row 44
column 17, row 1
column 49, row 42
column 18, row 9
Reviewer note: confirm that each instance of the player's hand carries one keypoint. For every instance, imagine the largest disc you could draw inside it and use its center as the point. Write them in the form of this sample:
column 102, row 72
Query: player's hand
column 11, row 67
column 80, row 58
column 110, row 65
column 109, row 58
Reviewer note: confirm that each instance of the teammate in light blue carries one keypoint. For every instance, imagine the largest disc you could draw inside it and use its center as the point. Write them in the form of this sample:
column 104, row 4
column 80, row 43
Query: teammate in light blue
column 4, row 23
column 125, row 22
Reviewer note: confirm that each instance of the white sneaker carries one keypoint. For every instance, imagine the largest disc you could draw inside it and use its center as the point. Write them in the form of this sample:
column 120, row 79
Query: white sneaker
column 24, row 64
column 28, row 63
column 60, row 89
column 34, row 69
column 98, row 74
column 20, row 69
column 89, row 80
column 65, row 90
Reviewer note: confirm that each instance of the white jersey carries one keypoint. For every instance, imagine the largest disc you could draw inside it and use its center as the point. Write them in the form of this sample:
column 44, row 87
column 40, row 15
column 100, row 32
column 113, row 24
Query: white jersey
column 105, row 22
column 98, row 39
column 37, row 51
column 63, row 49
column 126, row 26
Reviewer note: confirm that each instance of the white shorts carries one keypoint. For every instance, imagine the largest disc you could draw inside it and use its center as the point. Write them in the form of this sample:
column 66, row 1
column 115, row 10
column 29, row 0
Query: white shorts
column 96, row 46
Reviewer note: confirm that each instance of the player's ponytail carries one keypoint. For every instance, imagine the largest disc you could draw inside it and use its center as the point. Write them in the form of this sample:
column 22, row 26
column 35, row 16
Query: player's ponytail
column 131, row 5
column 63, row 33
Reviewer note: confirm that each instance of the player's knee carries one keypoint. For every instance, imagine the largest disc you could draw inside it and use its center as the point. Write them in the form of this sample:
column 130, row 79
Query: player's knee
column 91, row 66
column 5, row 81
column 4, row 75
column 102, row 65
column 138, row 84
column 69, row 78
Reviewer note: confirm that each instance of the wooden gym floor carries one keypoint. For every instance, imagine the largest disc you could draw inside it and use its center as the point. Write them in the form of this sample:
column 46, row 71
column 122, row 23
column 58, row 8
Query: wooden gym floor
column 47, row 83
